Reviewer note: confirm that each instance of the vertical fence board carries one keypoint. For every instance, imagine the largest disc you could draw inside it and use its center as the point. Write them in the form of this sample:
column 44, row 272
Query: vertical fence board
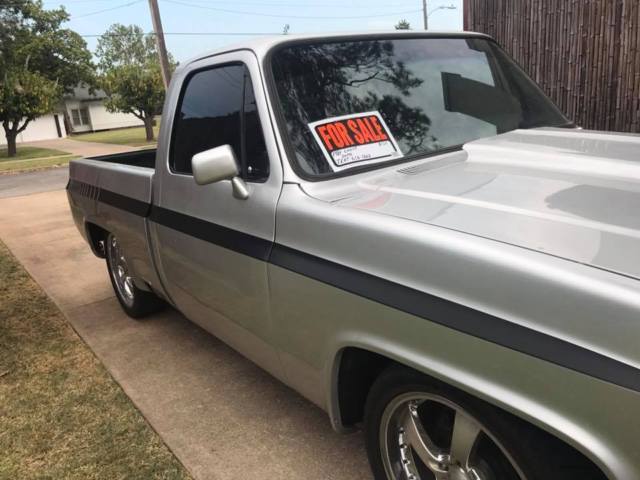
column 585, row 54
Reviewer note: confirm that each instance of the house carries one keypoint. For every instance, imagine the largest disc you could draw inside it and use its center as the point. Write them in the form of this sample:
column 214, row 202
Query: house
column 85, row 112
column 45, row 127
column 81, row 111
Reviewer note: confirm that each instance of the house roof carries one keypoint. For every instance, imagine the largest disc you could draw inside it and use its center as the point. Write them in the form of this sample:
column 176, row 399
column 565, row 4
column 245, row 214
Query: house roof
column 82, row 92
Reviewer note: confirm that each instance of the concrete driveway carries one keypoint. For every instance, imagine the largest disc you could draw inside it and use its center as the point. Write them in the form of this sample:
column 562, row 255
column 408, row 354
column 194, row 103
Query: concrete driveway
column 222, row 416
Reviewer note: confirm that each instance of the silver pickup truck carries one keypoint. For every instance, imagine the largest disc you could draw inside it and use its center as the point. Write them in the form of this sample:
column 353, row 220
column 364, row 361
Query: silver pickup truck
column 404, row 229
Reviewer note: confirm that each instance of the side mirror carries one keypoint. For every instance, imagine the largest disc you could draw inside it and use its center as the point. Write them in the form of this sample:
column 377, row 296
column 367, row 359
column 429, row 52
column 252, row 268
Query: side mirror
column 217, row 164
column 214, row 165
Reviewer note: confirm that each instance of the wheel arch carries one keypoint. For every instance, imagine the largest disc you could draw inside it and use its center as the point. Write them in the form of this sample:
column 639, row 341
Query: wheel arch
column 96, row 236
column 351, row 382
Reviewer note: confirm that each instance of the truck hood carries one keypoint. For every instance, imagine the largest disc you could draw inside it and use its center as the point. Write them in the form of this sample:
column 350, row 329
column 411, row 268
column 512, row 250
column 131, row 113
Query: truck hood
column 570, row 193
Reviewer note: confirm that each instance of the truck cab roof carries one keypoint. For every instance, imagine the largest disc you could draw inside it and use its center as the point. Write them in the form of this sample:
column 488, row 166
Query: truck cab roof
column 261, row 45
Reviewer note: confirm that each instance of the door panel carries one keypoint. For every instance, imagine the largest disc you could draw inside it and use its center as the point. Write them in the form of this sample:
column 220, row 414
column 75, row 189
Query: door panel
column 212, row 246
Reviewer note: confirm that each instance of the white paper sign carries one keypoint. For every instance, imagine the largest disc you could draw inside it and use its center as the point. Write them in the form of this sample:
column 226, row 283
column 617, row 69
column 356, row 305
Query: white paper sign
column 353, row 140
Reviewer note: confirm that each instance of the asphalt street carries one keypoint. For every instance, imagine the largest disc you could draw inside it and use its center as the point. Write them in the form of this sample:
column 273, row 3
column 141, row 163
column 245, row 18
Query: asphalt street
column 33, row 182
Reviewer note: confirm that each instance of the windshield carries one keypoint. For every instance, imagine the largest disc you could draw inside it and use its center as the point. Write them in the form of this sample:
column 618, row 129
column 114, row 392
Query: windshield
column 366, row 102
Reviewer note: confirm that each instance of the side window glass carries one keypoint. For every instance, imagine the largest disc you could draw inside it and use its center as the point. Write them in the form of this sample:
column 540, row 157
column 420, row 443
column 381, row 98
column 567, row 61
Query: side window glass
column 208, row 115
column 218, row 107
column 255, row 158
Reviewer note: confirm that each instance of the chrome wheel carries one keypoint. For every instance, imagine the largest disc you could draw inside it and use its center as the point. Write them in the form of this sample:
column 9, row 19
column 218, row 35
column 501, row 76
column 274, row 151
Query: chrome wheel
column 427, row 437
column 120, row 271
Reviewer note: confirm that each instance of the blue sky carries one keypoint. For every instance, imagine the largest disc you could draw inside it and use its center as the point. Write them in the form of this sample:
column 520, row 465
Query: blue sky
column 93, row 17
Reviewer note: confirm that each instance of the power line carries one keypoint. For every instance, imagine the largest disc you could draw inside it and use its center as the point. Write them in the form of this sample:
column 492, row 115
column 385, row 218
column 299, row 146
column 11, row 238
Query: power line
column 249, row 3
column 309, row 17
column 301, row 5
column 225, row 10
column 366, row 5
column 57, row 2
column 124, row 5
column 221, row 34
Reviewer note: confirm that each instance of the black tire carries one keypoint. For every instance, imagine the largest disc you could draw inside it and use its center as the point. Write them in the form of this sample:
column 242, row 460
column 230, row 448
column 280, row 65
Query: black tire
column 136, row 303
column 536, row 454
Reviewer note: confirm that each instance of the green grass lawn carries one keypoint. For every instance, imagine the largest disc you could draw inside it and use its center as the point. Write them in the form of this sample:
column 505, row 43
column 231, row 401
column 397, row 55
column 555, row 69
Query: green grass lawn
column 25, row 153
column 32, row 158
column 125, row 136
column 27, row 165
column 61, row 413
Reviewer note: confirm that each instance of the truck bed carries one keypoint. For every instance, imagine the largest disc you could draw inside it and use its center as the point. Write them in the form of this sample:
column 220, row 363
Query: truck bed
column 113, row 192
column 138, row 158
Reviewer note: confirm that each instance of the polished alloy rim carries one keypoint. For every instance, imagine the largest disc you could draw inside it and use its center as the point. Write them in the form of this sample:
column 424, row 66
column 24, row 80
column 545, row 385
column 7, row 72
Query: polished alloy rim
column 427, row 437
column 120, row 271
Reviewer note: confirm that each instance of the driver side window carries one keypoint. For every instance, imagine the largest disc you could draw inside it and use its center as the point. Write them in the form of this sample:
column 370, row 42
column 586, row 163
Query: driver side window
column 217, row 107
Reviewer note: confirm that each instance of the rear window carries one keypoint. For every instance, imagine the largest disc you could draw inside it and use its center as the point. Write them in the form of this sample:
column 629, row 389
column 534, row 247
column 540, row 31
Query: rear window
column 366, row 102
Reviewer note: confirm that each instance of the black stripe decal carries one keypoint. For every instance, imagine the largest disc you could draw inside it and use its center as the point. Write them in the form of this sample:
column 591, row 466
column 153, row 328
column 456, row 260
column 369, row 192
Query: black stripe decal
column 228, row 238
column 415, row 302
column 123, row 202
column 458, row 317
column 131, row 205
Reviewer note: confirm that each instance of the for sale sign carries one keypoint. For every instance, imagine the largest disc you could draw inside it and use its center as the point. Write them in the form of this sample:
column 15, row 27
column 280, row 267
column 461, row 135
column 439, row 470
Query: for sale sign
column 357, row 139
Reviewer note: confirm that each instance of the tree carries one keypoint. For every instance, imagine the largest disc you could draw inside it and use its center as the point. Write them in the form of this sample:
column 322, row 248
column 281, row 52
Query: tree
column 39, row 62
column 130, row 73
column 135, row 89
column 125, row 45
column 403, row 25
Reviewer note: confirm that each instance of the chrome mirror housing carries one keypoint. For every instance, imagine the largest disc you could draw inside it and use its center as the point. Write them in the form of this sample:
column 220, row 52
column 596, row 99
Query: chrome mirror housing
column 214, row 165
column 217, row 164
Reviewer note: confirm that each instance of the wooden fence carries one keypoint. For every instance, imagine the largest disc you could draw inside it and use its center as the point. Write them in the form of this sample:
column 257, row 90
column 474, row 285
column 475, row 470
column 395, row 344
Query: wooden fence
column 584, row 53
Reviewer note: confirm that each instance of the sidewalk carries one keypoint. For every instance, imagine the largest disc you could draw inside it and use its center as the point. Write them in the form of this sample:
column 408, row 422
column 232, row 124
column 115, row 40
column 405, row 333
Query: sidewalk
column 223, row 417
column 82, row 149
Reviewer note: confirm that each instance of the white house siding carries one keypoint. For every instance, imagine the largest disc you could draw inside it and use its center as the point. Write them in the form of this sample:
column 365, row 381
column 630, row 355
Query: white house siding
column 42, row 128
column 86, row 112
column 101, row 119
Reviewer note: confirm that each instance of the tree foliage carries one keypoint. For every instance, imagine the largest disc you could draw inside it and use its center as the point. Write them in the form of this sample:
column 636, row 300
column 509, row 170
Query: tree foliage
column 123, row 45
column 402, row 25
column 24, row 96
column 130, row 73
column 135, row 89
column 39, row 61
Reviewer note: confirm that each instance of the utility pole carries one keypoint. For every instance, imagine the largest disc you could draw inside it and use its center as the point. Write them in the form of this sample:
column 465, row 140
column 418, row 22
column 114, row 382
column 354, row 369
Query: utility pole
column 162, row 48
column 425, row 15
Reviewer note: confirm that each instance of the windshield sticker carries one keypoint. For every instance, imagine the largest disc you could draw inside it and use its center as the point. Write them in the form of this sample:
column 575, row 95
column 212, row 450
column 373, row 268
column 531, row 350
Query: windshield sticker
column 357, row 139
